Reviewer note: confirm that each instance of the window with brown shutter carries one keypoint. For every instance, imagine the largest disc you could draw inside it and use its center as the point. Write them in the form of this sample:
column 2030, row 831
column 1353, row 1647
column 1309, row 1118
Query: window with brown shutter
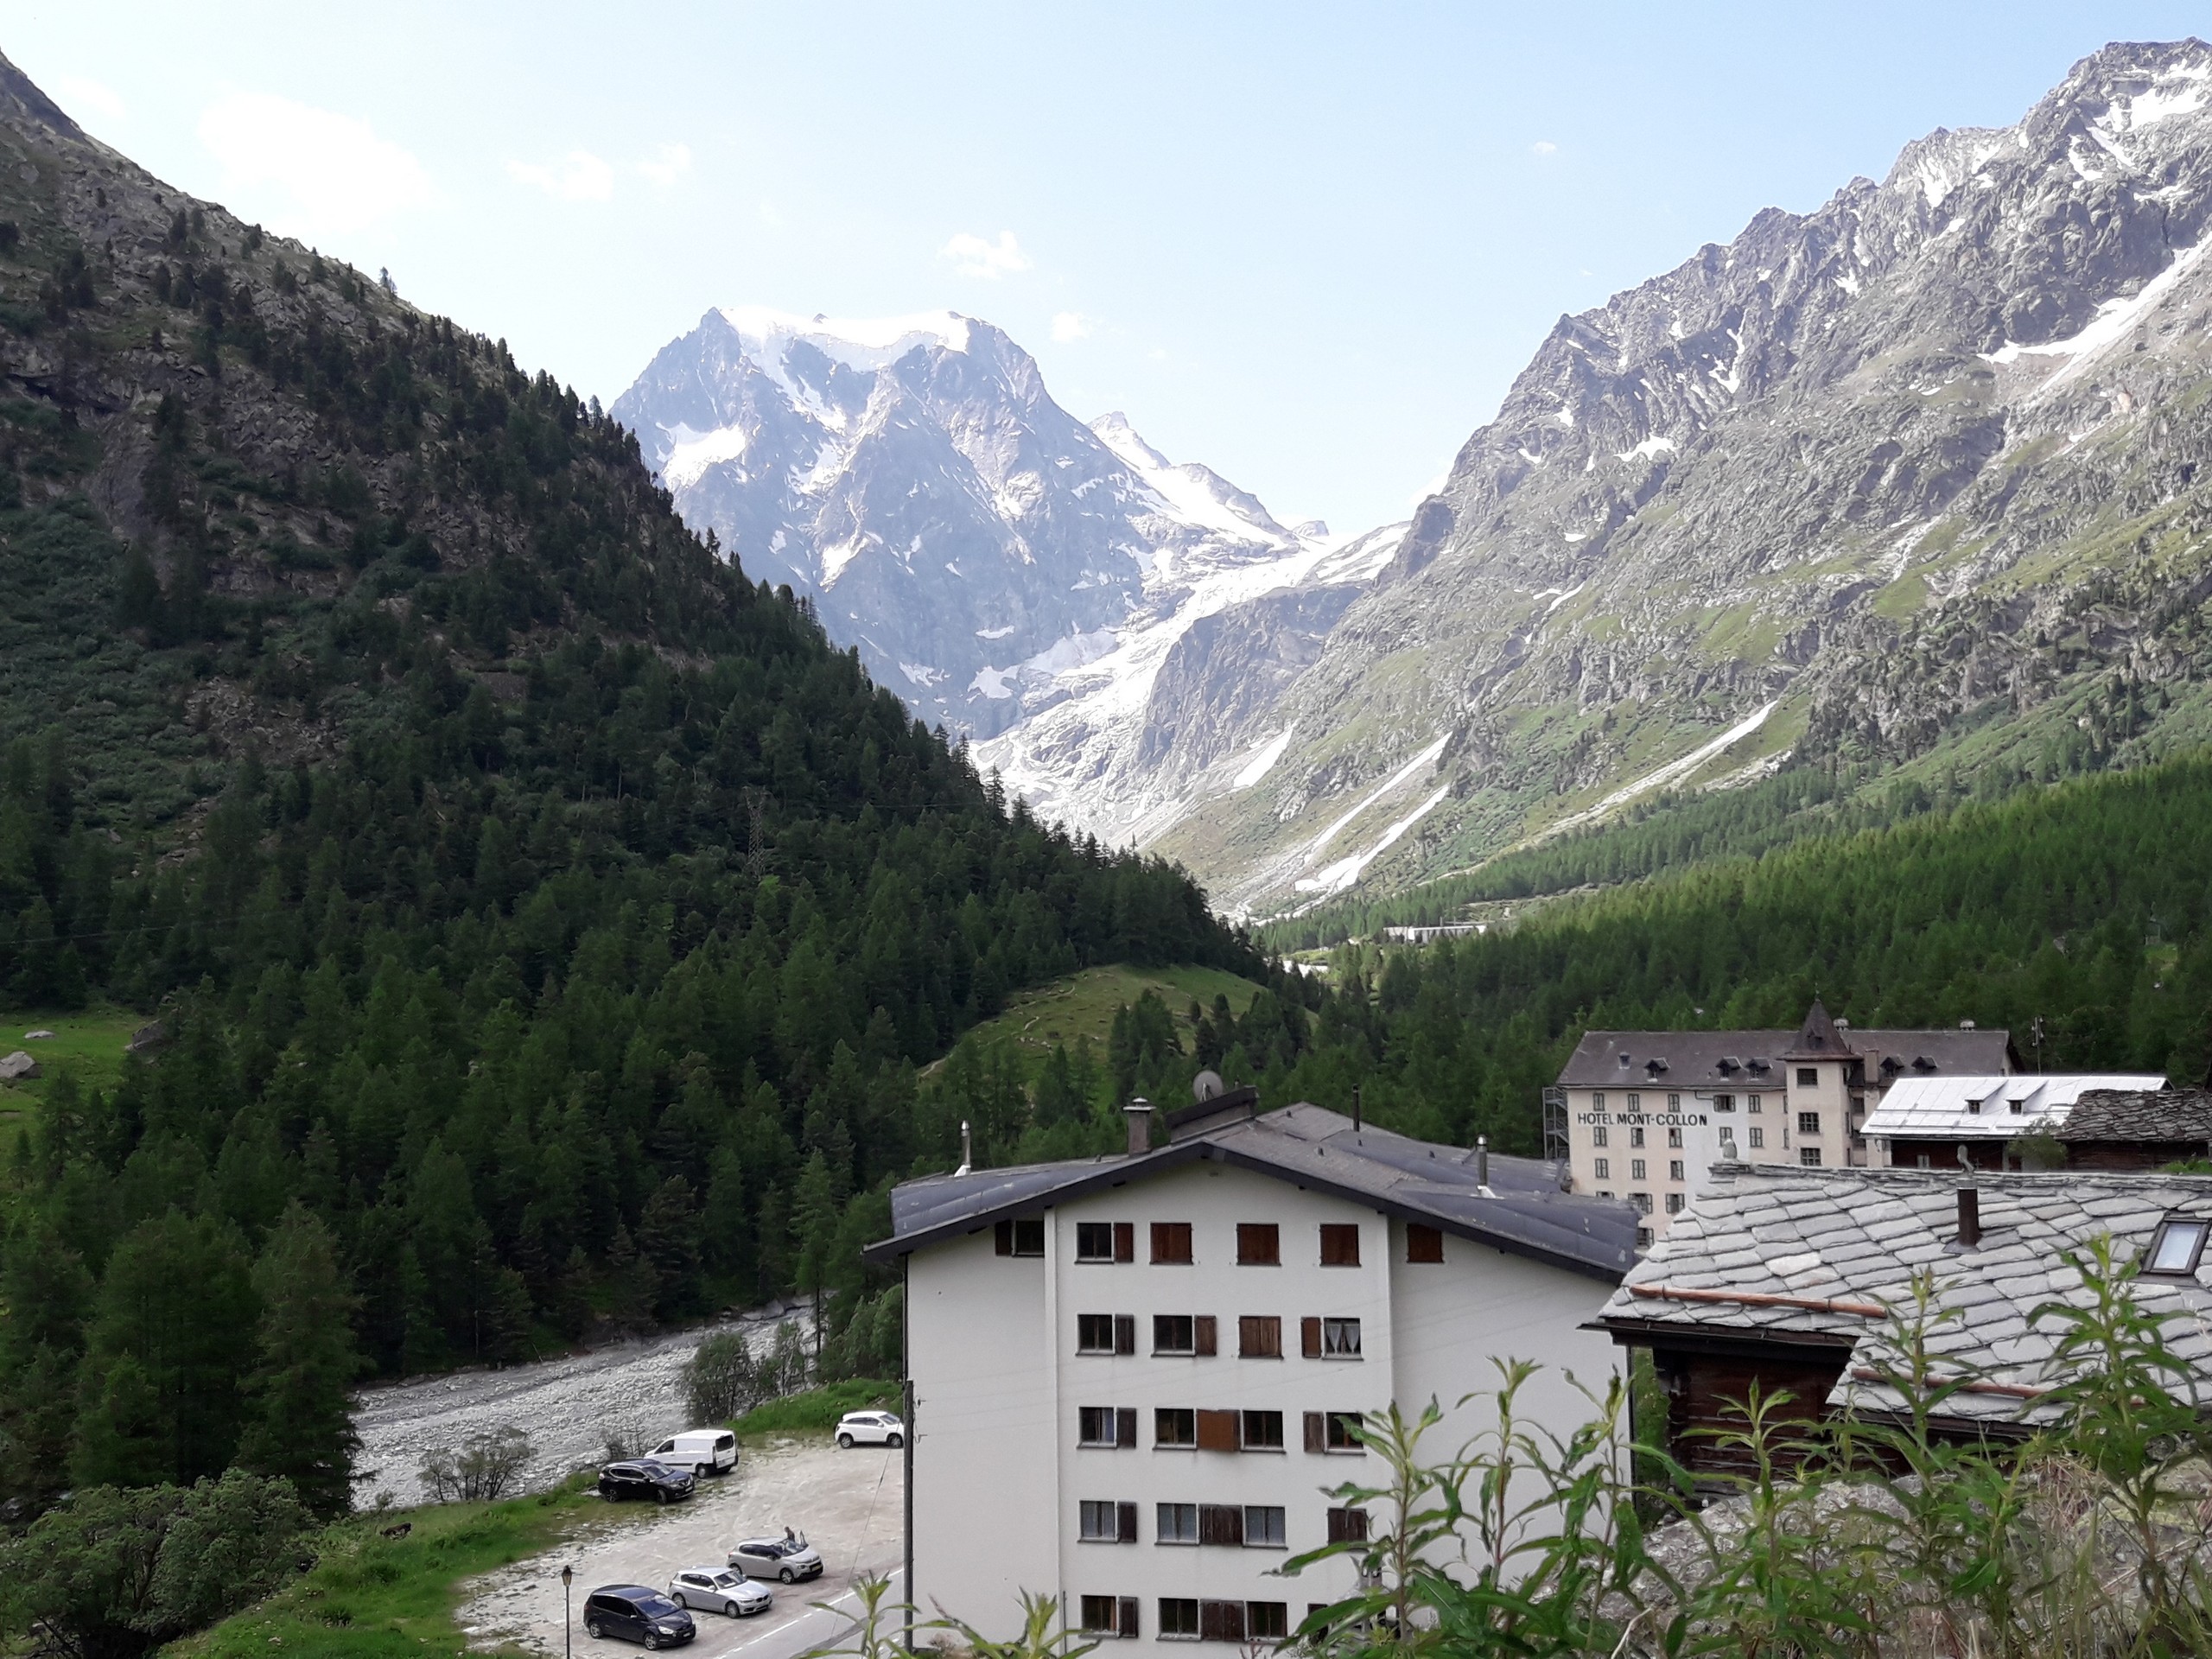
column 1094, row 1333
column 1309, row 1337
column 1098, row 1615
column 1347, row 1526
column 1261, row 1431
column 1179, row 1616
column 1204, row 1338
column 1259, row 1244
column 1259, row 1336
column 1126, row 1514
column 1314, row 1431
column 1174, row 1334
column 1125, row 1623
column 1339, row 1243
column 1171, row 1243
column 1002, row 1235
column 1125, row 1246
column 1125, row 1333
column 1216, row 1431
column 1424, row 1243
column 1221, row 1621
column 1125, row 1428
column 1266, row 1621
column 1343, row 1432
column 1174, row 1426
column 1221, row 1523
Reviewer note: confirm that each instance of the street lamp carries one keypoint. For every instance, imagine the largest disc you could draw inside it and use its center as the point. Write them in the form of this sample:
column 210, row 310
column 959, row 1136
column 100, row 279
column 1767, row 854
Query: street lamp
column 567, row 1639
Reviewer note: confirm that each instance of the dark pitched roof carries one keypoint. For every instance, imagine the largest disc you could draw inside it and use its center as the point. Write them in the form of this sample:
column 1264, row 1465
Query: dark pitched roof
column 1750, row 1059
column 1521, row 1211
column 1809, row 1253
column 2147, row 1114
column 1817, row 1039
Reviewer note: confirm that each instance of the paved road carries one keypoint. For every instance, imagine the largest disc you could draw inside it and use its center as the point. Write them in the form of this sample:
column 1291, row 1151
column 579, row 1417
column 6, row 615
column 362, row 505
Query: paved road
column 850, row 1506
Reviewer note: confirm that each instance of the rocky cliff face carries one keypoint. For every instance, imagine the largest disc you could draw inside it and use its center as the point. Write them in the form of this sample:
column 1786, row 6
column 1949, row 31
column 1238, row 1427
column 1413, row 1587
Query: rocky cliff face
column 915, row 479
column 1920, row 476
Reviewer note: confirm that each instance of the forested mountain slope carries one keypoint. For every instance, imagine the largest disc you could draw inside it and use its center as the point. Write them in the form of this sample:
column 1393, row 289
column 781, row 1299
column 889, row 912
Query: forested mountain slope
column 548, row 921
column 2083, row 910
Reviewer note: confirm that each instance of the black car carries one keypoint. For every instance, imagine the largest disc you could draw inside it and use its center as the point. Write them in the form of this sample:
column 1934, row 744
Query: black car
column 646, row 1478
column 637, row 1614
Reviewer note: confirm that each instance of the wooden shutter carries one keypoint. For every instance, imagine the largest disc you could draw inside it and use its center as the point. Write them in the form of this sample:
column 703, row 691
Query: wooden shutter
column 1126, row 1516
column 1347, row 1526
column 1339, row 1243
column 1204, row 1339
column 1259, row 1336
column 1221, row 1621
column 1317, row 1432
column 1126, row 1624
column 1259, row 1244
column 1125, row 1333
column 1424, row 1243
column 1309, row 1338
column 1220, row 1523
column 1004, row 1234
column 1171, row 1242
column 1125, row 1250
column 1216, row 1431
column 1125, row 1426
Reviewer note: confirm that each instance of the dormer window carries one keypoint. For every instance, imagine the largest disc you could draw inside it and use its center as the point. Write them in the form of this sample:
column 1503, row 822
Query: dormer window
column 1922, row 1063
column 1974, row 1108
column 2176, row 1247
column 2018, row 1106
column 1625, row 1058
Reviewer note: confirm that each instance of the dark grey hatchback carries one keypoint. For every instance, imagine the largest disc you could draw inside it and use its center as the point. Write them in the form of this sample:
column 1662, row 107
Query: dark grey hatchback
column 646, row 1478
column 635, row 1613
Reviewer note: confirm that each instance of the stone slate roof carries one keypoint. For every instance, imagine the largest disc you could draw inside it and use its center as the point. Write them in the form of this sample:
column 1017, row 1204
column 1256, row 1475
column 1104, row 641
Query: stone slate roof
column 1523, row 1210
column 2140, row 1115
column 1982, row 1108
column 1754, row 1060
column 1830, row 1248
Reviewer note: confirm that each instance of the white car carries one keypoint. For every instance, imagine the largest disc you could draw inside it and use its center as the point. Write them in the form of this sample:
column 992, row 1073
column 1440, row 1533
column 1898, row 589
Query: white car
column 719, row 1590
column 870, row 1428
column 789, row 1558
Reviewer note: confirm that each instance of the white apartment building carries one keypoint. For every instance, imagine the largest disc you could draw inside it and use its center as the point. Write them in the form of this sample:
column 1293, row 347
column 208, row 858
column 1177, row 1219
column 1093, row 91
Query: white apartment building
column 1649, row 1113
column 1131, row 1376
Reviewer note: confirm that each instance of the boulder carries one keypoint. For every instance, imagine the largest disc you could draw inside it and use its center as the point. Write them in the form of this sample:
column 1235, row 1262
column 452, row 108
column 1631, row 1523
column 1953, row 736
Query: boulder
column 148, row 1037
column 37, row 1036
column 17, row 1066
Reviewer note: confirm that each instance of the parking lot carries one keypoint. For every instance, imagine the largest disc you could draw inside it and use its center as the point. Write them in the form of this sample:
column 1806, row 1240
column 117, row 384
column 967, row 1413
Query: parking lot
column 849, row 1504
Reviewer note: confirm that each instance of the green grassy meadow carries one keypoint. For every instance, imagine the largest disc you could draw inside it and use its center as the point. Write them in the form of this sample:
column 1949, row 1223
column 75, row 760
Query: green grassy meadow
column 1083, row 1005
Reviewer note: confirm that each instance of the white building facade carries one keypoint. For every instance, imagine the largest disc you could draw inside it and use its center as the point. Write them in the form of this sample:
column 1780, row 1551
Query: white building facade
column 1649, row 1114
column 1132, row 1377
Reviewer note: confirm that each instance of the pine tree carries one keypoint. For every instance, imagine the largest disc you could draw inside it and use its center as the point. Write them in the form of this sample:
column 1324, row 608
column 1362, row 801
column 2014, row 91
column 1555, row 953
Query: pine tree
column 307, row 1366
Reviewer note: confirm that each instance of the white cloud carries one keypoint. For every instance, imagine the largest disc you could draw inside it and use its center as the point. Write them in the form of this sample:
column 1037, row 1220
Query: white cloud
column 1543, row 147
column 80, row 95
column 579, row 176
column 972, row 255
column 668, row 164
column 1071, row 325
column 341, row 176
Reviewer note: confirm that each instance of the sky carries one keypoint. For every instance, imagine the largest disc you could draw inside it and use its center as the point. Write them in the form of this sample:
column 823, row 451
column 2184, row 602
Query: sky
column 1308, row 245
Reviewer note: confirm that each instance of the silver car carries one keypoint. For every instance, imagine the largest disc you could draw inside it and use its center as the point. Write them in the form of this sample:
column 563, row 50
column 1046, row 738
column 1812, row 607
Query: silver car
column 788, row 1559
column 719, row 1590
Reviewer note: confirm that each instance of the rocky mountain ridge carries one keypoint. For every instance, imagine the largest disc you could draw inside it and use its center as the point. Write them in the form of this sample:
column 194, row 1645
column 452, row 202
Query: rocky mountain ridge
column 914, row 480
column 1917, row 476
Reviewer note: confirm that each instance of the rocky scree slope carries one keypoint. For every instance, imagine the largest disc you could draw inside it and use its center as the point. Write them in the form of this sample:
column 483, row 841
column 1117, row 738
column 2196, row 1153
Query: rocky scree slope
column 913, row 479
column 1919, row 477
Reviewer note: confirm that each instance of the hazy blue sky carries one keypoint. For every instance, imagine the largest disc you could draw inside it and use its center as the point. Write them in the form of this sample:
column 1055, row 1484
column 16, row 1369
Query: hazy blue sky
column 1308, row 245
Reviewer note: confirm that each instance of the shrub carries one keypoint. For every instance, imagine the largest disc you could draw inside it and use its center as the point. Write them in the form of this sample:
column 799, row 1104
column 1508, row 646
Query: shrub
column 482, row 1471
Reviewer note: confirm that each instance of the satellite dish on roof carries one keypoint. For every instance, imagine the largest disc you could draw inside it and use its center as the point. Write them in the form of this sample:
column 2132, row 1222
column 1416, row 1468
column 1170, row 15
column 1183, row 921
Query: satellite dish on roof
column 1205, row 1086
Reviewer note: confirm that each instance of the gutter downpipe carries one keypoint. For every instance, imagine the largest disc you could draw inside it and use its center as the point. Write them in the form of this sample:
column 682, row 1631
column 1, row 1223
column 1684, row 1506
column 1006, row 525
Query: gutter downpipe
column 907, row 1358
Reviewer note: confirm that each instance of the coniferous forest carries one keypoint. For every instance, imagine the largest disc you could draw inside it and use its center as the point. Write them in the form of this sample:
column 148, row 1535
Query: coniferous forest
column 546, row 923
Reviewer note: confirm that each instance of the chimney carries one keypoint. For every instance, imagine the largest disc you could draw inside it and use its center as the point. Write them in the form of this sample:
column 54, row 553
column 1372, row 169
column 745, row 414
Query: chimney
column 967, row 1150
column 1138, row 1112
column 1969, row 1218
column 1482, row 1161
column 1356, row 1124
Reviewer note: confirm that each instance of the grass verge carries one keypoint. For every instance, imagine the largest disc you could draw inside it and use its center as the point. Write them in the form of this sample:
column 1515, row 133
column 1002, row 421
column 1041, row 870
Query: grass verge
column 371, row 1597
column 815, row 1411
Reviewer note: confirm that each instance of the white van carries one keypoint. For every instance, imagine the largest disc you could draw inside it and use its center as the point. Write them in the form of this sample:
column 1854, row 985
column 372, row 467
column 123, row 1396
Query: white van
column 708, row 1450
